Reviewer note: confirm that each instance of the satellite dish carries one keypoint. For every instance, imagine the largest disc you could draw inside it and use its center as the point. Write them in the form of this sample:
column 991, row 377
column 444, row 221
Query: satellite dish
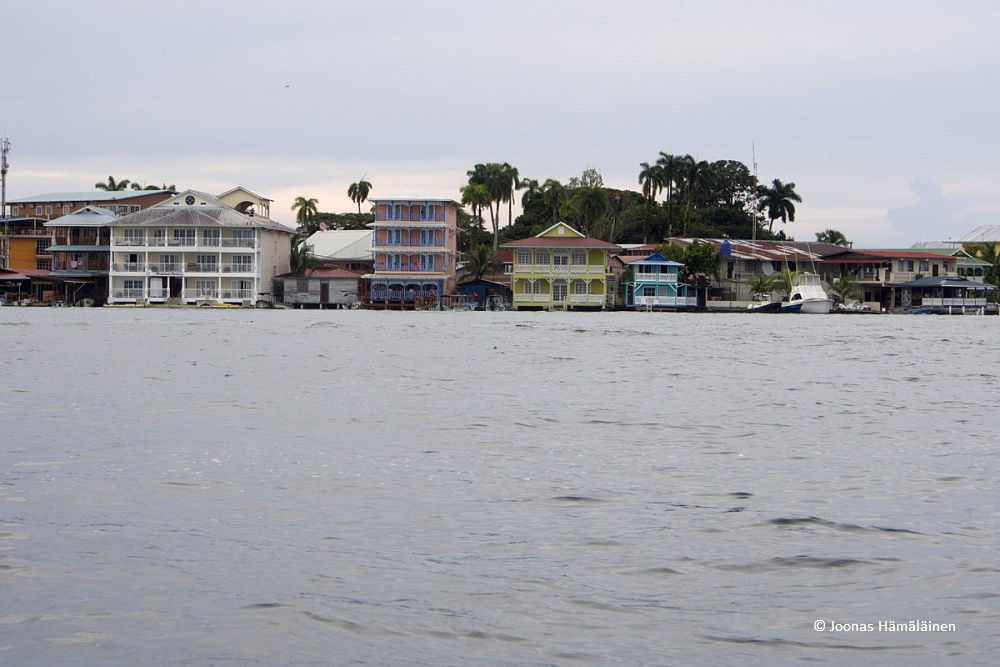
column 322, row 226
column 767, row 268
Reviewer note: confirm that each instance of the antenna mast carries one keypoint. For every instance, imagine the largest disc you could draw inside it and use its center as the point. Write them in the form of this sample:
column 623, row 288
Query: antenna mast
column 4, row 149
column 753, row 149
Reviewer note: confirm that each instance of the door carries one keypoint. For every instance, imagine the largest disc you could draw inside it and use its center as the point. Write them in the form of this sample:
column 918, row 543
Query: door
column 324, row 292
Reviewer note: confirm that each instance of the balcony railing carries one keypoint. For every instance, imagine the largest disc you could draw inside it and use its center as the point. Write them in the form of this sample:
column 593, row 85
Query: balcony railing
column 131, row 293
column 408, row 266
column 195, row 267
column 129, row 267
column 168, row 267
column 185, row 242
column 586, row 298
column 665, row 301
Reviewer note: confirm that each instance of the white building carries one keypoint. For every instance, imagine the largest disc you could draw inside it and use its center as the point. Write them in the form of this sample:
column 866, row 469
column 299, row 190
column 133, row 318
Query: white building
column 193, row 248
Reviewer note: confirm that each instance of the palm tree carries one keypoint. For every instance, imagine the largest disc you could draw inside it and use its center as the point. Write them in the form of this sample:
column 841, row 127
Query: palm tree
column 785, row 281
column 300, row 257
column 845, row 288
column 112, row 185
column 988, row 253
column 305, row 211
column 761, row 284
column 832, row 236
column 593, row 206
column 512, row 184
column 651, row 180
column 531, row 190
column 778, row 200
column 553, row 193
column 358, row 192
column 476, row 196
column 695, row 178
column 482, row 260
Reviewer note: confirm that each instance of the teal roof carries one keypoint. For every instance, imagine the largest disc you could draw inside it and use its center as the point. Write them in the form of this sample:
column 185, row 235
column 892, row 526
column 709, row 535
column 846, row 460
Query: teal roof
column 94, row 195
column 79, row 248
column 88, row 216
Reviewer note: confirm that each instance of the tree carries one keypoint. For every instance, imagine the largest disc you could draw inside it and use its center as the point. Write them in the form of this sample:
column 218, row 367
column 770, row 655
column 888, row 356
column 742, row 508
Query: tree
column 592, row 204
column 701, row 258
column 300, row 257
column 170, row 188
column 696, row 179
column 482, row 260
column 358, row 192
column 778, row 200
column 112, row 185
column 553, row 193
column 845, row 288
column 832, row 236
column 988, row 253
column 651, row 180
column 785, row 281
column 498, row 179
column 476, row 196
column 531, row 190
column 761, row 284
column 511, row 184
column 305, row 211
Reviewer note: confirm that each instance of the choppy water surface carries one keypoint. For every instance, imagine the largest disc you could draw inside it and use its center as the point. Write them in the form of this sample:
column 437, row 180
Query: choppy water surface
column 182, row 487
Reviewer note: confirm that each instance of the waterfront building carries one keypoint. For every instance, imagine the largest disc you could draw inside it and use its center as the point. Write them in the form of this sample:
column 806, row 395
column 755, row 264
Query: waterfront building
column 81, row 248
column 346, row 248
column 414, row 248
column 320, row 287
column 192, row 248
column 53, row 205
column 655, row 283
column 562, row 269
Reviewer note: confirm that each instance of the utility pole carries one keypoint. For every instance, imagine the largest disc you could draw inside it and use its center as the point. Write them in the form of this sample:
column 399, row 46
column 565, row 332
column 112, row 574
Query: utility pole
column 4, row 149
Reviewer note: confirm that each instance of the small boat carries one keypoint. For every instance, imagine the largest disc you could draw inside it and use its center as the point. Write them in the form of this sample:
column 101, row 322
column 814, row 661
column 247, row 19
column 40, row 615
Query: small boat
column 762, row 303
column 807, row 296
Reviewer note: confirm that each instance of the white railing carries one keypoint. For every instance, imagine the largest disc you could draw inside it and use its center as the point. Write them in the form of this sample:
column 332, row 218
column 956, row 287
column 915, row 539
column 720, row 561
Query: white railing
column 578, row 268
column 595, row 298
column 131, row 293
column 128, row 267
column 201, row 293
column 239, row 268
column 597, row 269
column 969, row 302
column 669, row 301
column 239, row 243
column 195, row 267
column 560, row 268
column 540, row 268
column 131, row 241
column 237, row 294
column 169, row 267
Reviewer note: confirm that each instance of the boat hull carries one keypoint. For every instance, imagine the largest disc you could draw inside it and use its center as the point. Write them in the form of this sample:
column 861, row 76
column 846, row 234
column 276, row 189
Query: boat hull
column 813, row 306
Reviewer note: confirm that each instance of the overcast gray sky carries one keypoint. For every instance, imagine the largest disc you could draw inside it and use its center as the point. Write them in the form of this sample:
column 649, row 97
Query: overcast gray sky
column 884, row 114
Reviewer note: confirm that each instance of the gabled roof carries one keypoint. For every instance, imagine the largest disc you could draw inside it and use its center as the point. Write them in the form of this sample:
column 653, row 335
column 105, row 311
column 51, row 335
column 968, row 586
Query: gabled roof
column 560, row 235
column 240, row 188
column 342, row 244
column 775, row 251
column 88, row 216
column 656, row 259
column 409, row 195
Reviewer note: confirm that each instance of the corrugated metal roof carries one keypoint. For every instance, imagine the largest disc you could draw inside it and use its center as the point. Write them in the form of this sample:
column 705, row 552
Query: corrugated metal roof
column 79, row 248
column 88, row 216
column 343, row 244
column 776, row 251
column 409, row 194
column 322, row 272
column 981, row 234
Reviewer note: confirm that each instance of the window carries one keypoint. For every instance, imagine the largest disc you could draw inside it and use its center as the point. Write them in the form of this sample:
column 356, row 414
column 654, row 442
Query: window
column 428, row 212
column 210, row 237
column 133, row 285
column 38, row 210
column 394, row 237
column 133, row 236
column 541, row 256
column 243, row 238
column 15, row 211
column 44, row 264
column 523, row 256
column 301, row 286
column 560, row 258
column 924, row 265
column 906, row 265
column 579, row 287
column 42, row 246
column 183, row 237
column 243, row 263
column 579, row 256
column 66, row 210
column 649, row 290
column 207, row 262
column 204, row 288
column 170, row 263
column 393, row 212
column 48, row 210
column 134, row 209
column 531, row 286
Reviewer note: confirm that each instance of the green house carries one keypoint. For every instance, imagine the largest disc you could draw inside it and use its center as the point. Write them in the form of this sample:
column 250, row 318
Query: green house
column 561, row 269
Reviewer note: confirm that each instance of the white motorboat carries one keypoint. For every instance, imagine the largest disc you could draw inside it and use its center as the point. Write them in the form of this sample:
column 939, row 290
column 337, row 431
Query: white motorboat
column 807, row 296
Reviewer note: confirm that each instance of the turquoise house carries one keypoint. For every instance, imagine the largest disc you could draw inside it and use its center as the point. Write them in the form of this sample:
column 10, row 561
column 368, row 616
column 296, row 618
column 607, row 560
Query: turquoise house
column 656, row 284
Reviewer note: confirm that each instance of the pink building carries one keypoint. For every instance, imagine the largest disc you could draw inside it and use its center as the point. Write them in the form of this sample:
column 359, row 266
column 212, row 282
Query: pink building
column 415, row 246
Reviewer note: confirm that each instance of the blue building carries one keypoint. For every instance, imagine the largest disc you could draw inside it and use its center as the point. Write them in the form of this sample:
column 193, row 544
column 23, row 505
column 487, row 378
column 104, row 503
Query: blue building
column 656, row 284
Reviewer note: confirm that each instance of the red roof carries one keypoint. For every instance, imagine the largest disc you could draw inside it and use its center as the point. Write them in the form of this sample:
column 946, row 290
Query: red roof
column 560, row 242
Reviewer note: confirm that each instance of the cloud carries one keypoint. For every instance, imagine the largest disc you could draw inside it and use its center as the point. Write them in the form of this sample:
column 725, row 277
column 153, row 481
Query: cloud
column 934, row 216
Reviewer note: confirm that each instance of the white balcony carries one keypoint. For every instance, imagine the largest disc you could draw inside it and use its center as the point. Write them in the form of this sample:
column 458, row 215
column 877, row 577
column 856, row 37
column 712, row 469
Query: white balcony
column 129, row 267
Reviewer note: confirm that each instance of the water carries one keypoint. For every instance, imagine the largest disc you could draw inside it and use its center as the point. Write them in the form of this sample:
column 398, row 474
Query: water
column 206, row 487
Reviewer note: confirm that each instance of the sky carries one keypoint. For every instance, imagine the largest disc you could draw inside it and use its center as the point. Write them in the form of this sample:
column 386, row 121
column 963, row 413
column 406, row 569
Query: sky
column 883, row 114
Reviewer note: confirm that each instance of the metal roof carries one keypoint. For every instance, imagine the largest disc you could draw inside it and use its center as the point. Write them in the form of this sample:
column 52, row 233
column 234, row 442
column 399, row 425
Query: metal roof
column 342, row 244
column 88, row 216
column 946, row 281
column 79, row 248
column 775, row 251
column 96, row 195
column 981, row 234
column 322, row 272
column 195, row 216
